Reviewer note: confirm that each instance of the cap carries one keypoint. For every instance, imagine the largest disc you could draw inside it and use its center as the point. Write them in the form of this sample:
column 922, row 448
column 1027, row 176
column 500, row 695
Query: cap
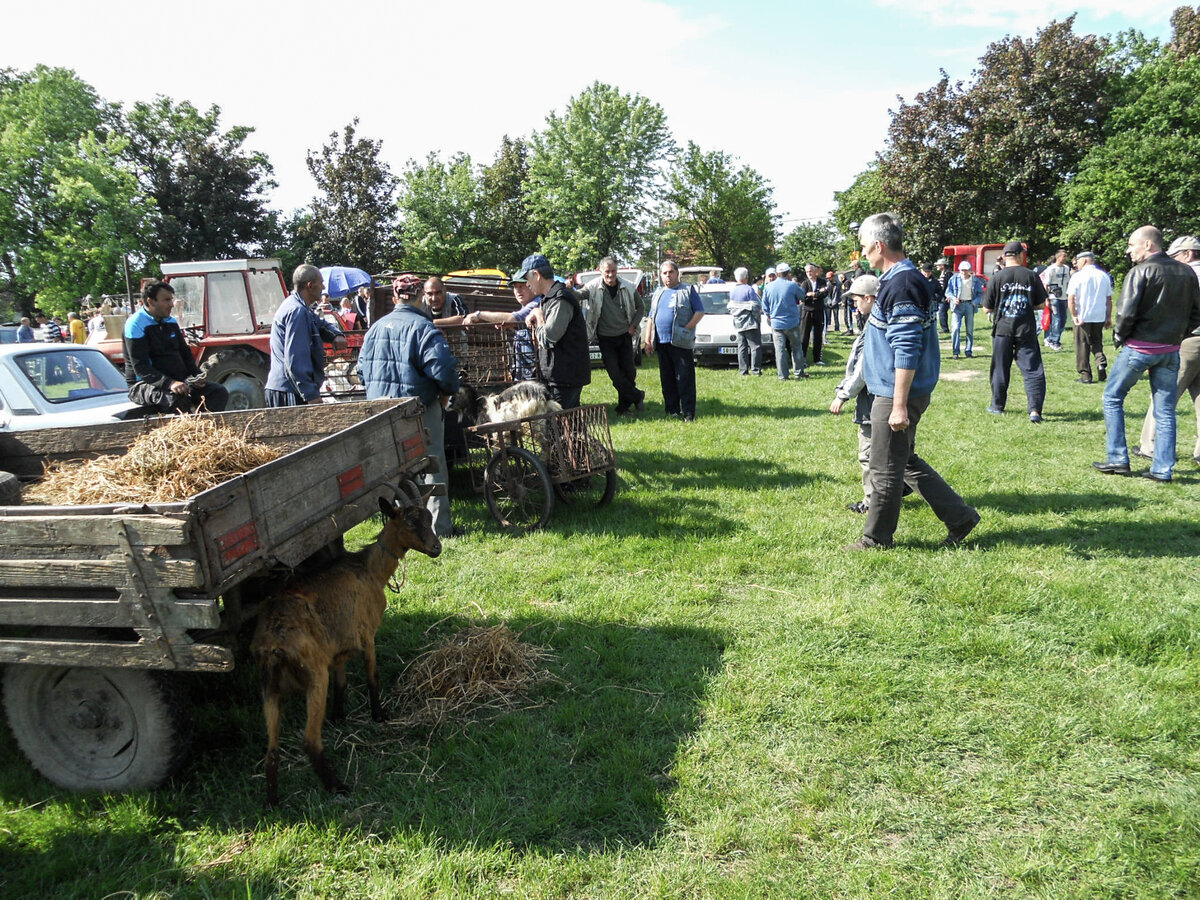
column 1014, row 248
column 780, row 268
column 1181, row 243
column 964, row 266
column 770, row 271
column 926, row 267
column 942, row 262
column 864, row 286
column 1085, row 254
column 532, row 261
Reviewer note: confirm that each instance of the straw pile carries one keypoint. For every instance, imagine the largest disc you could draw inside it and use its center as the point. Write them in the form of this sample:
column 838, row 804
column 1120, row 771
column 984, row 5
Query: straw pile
column 477, row 669
column 169, row 464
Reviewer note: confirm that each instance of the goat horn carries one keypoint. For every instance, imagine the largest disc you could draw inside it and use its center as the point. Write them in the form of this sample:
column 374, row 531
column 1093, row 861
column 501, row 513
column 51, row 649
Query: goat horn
column 412, row 492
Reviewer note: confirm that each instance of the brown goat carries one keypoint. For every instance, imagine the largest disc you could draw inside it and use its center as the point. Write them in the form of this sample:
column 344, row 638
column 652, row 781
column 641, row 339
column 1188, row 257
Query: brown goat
column 313, row 627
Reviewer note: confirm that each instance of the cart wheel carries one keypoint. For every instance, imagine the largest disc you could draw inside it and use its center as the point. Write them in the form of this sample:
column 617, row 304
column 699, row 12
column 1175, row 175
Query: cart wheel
column 517, row 488
column 97, row 729
column 597, row 488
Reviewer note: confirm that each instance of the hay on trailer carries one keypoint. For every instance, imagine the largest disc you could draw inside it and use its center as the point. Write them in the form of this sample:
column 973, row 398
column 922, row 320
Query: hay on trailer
column 173, row 462
column 477, row 669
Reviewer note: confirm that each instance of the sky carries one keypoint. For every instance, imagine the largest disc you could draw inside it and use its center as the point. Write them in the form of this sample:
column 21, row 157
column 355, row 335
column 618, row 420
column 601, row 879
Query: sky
column 799, row 91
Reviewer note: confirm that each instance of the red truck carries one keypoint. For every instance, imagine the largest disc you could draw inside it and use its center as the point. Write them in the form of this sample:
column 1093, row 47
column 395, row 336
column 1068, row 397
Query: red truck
column 225, row 307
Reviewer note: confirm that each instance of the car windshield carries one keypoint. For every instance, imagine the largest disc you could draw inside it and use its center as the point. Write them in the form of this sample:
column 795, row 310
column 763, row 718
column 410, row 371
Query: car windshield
column 716, row 303
column 61, row 377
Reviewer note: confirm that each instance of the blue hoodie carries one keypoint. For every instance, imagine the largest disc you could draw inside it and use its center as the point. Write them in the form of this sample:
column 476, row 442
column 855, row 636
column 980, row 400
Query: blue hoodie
column 902, row 334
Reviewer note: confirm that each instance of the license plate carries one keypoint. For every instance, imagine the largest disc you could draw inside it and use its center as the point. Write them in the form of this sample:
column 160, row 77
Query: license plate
column 729, row 351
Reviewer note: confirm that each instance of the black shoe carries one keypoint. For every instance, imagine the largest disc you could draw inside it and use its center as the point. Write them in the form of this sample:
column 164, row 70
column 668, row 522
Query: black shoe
column 864, row 544
column 1035, row 418
column 1084, row 380
column 1153, row 477
column 803, row 374
column 958, row 534
column 969, row 356
column 1107, row 468
column 995, row 412
column 455, row 531
column 1102, row 374
column 689, row 418
column 1137, row 451
column 640, row 406
column 955, row 356
column 859, row 507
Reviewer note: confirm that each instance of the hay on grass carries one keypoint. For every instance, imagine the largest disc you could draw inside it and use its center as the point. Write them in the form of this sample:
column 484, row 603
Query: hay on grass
column 475, row 670
column 171, row 463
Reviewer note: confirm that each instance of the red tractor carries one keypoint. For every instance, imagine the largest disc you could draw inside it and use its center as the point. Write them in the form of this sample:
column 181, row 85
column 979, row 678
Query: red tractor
column 226, row 307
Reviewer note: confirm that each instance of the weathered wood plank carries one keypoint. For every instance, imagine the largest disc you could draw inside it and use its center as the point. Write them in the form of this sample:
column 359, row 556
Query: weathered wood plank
column 86, row 573
column 93, row 531
column 112, row 654
column 105, row 613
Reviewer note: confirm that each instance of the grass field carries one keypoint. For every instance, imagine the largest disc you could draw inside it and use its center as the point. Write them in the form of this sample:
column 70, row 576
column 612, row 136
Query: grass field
column 740, row 708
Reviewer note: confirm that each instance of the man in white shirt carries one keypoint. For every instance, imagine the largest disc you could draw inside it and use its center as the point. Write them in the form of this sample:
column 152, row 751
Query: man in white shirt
column 1089, row 301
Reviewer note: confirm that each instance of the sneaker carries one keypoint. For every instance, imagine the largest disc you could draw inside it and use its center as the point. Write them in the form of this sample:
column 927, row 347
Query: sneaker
column 1035, row 417
column 958, row 534
column 955, row 356
column 1137, row 451
column 859, row 507
column 820, row 362
column 995, row 412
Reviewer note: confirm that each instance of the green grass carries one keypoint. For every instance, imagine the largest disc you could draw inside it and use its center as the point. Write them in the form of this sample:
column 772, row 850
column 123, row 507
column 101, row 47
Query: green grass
column 742, row 710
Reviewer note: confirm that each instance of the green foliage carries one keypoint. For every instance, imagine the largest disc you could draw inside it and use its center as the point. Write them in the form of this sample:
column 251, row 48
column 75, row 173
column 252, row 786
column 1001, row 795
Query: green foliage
column 865, row 197
column 210, row 192
column 1141, row 174
column 593, row 177
column 352, row 221
column 69, row 210
column 509, row 230
column 811, row 242
column 718, row 213
column 439, row 216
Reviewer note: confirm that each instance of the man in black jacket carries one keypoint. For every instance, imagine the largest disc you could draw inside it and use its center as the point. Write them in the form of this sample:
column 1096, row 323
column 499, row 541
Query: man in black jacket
column 813, row 290
column 1160, row 304
column 562, row 339
column 159, row 366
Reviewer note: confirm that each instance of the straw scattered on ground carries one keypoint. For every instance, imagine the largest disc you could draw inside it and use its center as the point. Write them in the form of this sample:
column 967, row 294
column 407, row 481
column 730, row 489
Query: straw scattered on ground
column 169, row 464
column 475, row 670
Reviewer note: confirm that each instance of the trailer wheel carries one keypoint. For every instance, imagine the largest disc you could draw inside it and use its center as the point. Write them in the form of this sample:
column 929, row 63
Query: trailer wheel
column 518, row 491
column 97, row 729
column 242, row 372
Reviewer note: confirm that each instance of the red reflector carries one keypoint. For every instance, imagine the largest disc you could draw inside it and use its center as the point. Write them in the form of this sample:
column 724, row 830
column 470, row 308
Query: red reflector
column 237, row 543
column 350, row 481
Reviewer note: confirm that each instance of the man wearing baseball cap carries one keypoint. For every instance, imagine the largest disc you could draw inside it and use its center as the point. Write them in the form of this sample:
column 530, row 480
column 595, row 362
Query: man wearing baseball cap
column 962, row 294
column 1011, row 298
column 781, row 303
column 562, row 338
column 1184, row 249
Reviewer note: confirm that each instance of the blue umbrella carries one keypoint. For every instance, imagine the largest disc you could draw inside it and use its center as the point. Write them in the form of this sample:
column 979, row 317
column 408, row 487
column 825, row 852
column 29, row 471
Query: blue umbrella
column 343, row 280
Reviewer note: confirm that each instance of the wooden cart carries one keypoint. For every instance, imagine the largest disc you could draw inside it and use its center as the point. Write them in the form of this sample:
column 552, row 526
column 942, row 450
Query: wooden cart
column 523, row 464
column 99, row 604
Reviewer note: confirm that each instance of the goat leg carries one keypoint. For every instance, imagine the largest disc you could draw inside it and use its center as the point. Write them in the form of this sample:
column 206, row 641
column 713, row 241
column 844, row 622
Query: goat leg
column 271, row 712
column 372, row 680
column 317, row 693
column 337, row 712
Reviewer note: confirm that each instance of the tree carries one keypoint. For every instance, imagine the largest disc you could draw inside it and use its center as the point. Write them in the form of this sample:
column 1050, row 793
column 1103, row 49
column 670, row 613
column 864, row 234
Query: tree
column 865, row 197
column 1139, row 175
column 812, row 242
column 210, row 192
column 592, row 176
column 503, row 214
column 439, row 224
column 69, row 211
column 353, row 219
column 718, row 213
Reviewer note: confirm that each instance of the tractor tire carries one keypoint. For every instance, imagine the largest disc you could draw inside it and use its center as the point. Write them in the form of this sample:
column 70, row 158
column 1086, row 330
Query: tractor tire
column 243, row 372
column 98, row 729
column 10, row 489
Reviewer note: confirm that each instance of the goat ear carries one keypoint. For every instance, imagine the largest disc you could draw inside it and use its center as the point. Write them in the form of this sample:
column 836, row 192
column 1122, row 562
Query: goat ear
column 387, row 508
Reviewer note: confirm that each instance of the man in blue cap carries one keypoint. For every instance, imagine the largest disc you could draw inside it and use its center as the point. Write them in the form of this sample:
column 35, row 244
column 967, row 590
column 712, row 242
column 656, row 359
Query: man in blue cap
column 562, row 338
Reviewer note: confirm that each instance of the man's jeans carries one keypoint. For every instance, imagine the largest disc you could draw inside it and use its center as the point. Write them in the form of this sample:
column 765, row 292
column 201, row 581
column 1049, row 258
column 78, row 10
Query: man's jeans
column 1124, row 373
column 963, row 313
column 749, row 349
column 781, row 340
column 439, row 504
column 1058, row 315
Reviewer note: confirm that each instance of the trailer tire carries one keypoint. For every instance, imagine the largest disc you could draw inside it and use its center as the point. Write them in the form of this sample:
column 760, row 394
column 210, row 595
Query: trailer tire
column 10, row 489
column 241, row 371
column 90, row 729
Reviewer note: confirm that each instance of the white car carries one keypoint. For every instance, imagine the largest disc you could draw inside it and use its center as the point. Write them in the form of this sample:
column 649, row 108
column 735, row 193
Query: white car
column 716, row 338
column 59, row 386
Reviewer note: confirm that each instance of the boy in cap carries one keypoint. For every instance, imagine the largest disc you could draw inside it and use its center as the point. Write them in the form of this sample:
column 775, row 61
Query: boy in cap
column 862, row 291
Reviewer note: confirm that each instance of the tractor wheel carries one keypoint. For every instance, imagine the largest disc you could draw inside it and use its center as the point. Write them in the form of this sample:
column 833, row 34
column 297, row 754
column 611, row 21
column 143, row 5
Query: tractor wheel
column 243, row 372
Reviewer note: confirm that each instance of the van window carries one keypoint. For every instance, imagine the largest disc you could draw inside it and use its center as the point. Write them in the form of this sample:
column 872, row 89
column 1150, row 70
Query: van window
column 228, row 308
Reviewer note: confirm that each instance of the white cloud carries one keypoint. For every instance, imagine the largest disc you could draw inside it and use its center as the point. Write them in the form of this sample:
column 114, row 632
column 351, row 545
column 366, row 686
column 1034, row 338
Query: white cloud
column 961, row 14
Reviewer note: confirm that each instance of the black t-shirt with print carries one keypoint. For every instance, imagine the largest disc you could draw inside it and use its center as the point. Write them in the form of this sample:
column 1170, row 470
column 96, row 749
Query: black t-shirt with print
column 1012, row 295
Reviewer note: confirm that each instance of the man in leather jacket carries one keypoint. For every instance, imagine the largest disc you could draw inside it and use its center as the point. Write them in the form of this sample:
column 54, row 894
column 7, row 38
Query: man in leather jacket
column 1160, row 304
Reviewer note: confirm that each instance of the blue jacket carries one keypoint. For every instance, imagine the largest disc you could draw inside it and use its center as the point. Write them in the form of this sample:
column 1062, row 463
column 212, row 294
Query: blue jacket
column 902, row 334
column 781, row 303
column 297, row 352
column 405, row 355
column 955, row 284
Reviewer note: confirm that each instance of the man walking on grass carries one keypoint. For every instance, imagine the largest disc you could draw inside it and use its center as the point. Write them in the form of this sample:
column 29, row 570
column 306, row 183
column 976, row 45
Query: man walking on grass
column 901, row 364
column 1160, row 305
column 1089, row 301
column 1011, row 298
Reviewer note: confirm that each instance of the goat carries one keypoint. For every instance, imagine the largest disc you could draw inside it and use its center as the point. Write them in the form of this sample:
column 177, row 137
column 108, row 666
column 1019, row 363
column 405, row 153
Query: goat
column 312, row 628
column 517, row 401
